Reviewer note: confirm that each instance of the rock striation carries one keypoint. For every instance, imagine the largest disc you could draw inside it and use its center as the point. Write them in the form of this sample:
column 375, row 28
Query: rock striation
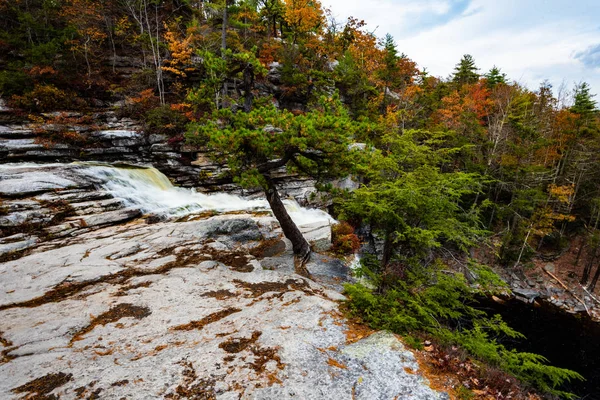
column 106, row 137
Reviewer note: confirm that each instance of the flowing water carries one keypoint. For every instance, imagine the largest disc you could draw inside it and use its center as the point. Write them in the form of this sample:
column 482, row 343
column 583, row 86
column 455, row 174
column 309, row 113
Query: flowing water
column 152, row 192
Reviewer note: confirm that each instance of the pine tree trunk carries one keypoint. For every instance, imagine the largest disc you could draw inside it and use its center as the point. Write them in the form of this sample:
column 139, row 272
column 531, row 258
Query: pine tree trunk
column 387, row 251
column 290, row 230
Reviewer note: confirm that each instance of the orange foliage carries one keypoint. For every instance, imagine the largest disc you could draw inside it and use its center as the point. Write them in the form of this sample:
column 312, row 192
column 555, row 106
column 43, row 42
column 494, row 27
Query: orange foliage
column 181, row 51
column 39, row 70
column 461, row 110
column 562, row 193
column 304, row 16
column 269, row 52
column 184, row 109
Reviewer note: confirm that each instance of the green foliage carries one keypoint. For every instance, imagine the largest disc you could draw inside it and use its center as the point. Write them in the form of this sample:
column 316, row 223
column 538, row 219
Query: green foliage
column 14, row 82
column 495, row 76
column 584, row 103
column 354, row 85
column 441, row 305
column 251, row 144
column 465, row 71
column 487, row 281
column 208, row 96
column 164, row 120
column 411, row 201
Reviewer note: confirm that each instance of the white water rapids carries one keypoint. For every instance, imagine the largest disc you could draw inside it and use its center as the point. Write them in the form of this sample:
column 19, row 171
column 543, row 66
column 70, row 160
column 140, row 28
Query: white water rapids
column 152, row 192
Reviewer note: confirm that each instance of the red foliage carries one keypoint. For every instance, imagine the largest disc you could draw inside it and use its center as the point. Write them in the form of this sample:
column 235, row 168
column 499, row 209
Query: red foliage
column 343, row 238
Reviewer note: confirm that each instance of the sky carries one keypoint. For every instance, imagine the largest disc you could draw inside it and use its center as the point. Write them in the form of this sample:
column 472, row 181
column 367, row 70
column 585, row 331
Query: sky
column 529, row 40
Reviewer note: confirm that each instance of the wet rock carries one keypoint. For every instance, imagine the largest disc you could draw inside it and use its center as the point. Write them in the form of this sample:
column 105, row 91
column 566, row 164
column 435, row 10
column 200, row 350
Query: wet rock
column 96, row 206
column 15, row 132
column 318, row 234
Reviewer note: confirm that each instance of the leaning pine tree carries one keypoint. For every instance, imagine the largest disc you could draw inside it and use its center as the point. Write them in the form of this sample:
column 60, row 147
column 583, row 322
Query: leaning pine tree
column 254, row 144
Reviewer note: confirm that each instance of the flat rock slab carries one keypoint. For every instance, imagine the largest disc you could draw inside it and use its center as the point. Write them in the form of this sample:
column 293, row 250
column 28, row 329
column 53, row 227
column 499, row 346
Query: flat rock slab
column 174, row 310
column 23, row 180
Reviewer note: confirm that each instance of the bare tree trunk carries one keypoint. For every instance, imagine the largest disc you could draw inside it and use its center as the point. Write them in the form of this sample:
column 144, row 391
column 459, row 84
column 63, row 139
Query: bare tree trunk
column 248, row 83
column 224, row 30
column 579, row 252
column 523, row 247
column 109, row 29
column 592, row 285
column 588, row 267
column 87, row 60
column 155, row 46
column 290, row 230
column 224, row 89
column 138, row 17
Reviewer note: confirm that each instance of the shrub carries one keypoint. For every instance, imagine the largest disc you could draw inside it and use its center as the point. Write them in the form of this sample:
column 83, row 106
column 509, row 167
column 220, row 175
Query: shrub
column 46, row 98
column 14, row 83
column 343, row 238
column 166, row 121
column 61, row 128
column 139, row 104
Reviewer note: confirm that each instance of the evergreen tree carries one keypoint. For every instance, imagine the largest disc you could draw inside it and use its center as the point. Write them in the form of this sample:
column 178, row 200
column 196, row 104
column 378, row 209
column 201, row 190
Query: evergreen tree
column 584, row 103
column 585, row 107
column 494, row 77
column 465, row 71
column 391, row 54
column 257, row 143
column 389, row 71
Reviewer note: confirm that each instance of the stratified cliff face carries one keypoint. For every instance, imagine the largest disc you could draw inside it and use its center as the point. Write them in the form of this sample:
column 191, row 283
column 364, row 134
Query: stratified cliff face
column 65, row 137
column 108, row 300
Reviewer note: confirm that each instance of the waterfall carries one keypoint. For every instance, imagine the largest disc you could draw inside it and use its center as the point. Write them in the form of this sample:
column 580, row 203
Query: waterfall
column 152, row 192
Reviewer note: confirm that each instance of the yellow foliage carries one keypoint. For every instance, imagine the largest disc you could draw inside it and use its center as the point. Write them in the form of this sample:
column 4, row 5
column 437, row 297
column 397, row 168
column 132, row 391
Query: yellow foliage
column 562, row 193
column 181, row 52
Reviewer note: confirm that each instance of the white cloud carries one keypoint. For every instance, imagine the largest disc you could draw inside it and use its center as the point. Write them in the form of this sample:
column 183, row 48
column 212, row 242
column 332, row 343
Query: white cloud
column 529, row 40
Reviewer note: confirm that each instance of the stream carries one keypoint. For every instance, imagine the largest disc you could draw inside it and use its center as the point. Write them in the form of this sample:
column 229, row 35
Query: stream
column 566, row 340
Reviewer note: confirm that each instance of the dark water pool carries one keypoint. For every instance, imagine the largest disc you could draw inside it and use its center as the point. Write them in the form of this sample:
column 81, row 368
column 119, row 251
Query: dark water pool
column 566, row 340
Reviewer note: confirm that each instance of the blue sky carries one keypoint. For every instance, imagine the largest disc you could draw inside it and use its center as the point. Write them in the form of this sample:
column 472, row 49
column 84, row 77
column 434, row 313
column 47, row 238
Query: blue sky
column 530, row 40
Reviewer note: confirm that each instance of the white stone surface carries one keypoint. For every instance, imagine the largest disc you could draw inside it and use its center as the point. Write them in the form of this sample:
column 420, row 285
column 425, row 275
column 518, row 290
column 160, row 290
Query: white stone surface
column 293, row 326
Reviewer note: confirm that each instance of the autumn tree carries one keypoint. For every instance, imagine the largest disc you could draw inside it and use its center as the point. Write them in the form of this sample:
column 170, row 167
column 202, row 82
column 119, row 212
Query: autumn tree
column 303, row 17
column 148, row 19
column 88, row 21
